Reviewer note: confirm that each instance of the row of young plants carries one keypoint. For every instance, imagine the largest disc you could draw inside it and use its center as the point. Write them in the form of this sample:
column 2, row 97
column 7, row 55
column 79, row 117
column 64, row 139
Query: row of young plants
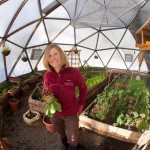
column 17, row 83
column 127, row 107
column 94, row 80
column 5, row 87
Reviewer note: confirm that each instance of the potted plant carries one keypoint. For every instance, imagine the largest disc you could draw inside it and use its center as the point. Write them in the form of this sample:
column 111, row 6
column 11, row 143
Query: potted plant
column 6, row 50
column 30, row 117
column 47, row 122
column 52, row 105
column 24, row 58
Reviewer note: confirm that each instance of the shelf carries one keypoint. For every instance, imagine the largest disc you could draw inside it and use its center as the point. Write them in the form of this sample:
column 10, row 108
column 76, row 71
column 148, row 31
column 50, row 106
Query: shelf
column 143, row 36
column 143, row 46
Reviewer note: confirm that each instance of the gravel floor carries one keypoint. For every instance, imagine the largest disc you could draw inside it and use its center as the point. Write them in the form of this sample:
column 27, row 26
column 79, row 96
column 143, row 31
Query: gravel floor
column 26, row 137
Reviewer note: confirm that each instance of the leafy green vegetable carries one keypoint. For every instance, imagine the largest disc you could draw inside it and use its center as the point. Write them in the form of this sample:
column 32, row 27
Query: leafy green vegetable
column 52, row 107
column 52, row 104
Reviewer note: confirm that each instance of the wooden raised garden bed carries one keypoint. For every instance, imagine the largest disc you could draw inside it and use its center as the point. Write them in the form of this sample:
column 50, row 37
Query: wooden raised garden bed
column 92, row 92
column 106, row 129
column 15, row 79
column 115, row 114
column 13, row 91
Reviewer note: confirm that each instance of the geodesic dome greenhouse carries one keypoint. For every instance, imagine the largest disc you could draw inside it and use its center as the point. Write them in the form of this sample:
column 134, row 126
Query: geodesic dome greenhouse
column 110, row 99
column 104, row 28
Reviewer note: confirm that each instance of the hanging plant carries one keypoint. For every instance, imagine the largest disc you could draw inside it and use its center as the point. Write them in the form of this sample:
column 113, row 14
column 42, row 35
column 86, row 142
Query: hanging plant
column 76, row 51
column 6, row 50
column 96, row 57
column 24, row 58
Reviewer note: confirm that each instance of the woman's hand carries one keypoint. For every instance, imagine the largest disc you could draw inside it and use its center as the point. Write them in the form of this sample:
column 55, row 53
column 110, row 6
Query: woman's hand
column 48, row 98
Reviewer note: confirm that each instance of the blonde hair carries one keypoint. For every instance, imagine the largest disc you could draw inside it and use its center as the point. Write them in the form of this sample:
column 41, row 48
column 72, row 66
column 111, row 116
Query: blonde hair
column 46, row 57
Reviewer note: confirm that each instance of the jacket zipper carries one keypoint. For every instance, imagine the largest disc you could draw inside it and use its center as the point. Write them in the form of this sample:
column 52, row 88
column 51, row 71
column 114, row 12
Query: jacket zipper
column 59, row 85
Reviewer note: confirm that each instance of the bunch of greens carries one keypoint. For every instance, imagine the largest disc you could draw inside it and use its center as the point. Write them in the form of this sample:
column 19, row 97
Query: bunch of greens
column 52, row 104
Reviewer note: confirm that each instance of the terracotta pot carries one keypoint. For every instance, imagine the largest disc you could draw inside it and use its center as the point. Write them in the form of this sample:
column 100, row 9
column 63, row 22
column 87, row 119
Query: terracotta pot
column 49, row 126
column 14, row 104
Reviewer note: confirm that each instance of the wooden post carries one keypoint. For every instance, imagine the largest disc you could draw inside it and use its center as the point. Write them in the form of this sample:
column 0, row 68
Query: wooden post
column 140, row 57
column 5, row 66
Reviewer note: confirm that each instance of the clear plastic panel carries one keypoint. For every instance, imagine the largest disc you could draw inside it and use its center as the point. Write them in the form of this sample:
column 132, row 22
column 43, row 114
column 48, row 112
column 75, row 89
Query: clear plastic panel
column 23, row 35
column 54, row 27
column 116, row 61
column 105, row 55
column 114, row 35
column 28, row 13
column 66, row 37
column 21, row 68
column 83, row 33
column 39, row 36
column 90, row 42
column 7, row 11
column 128, row 41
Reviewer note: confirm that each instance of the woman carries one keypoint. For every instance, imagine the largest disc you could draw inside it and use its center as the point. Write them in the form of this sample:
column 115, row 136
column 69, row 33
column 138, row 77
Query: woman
column 62, row 81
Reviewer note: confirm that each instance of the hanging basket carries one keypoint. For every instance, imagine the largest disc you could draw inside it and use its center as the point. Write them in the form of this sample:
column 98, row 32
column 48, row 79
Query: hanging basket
column 6, row 52
column 24, row 59
column 96, row 57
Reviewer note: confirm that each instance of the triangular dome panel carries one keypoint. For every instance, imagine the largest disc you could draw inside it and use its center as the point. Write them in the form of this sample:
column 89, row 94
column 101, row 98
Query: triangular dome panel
column 39, row 36
column 116, row 61
column 21, row 68
column 104, row 43
column 66, row 37
column 125, row 52
column 60, row 12
column 95, row 62
column 28, row 13
column 128, row 41
column 90, row 42
column 55, row 27
column 105, row 55
column 83, row 33
column 7, row 11
column 12, row 57
column 114, row 35
column 84, row 54
column 22, row 36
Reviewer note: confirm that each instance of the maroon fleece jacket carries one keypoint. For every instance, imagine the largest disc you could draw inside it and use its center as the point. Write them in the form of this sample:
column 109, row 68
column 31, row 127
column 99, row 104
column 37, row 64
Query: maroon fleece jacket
column 63, row 86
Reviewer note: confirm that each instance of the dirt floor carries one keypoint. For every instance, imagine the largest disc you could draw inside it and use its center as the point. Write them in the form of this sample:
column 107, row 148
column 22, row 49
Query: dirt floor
column 36, row 137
